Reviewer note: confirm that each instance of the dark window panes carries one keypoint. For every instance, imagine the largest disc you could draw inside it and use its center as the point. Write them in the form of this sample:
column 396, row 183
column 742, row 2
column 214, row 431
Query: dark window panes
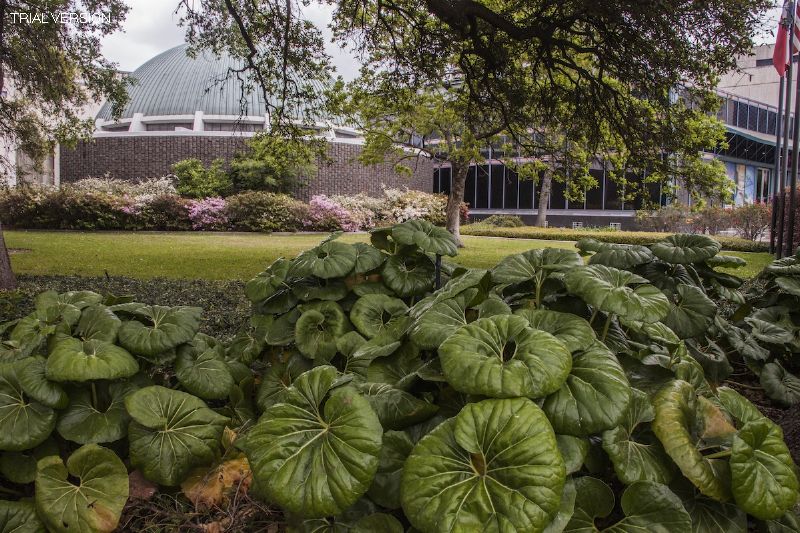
column 469, row 187
column 436, row 180
column 594, row 195
column 557, row 200
column 444, row 180
column 510, row 201
column 772, row 118
column 763, row 118
column 498, row 185
column 526, row 194
column 482, row 188
column 612, row 195
column 752, row 117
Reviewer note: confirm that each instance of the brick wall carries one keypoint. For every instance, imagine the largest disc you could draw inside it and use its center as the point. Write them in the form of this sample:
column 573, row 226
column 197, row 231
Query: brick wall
column 131, row 157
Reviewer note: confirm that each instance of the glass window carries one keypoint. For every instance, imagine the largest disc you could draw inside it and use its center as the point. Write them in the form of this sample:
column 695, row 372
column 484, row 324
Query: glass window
column 469, row 187
column 497, row 185
column 526, row 194
column 512, row 184
column 482, row 187
column 612, row 195
column 594, row 195
column 445, row 175
column 557, row 199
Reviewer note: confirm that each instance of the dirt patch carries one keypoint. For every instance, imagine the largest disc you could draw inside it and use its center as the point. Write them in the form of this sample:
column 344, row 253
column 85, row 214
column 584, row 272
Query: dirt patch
column 13, row 251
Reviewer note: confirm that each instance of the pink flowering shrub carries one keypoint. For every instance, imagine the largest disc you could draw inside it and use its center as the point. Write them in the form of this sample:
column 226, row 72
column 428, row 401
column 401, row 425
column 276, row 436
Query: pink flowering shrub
column 324, row 214
column 208, row 214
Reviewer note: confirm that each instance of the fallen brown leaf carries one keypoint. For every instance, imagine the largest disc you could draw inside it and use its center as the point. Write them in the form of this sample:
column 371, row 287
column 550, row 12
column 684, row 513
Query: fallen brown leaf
column 212, row 487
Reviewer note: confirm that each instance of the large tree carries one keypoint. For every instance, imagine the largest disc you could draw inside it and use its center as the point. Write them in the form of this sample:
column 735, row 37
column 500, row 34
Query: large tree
column 51, row 66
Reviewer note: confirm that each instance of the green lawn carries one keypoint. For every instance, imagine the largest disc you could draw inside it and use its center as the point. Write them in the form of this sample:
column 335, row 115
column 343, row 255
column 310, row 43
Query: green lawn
column 218, row 255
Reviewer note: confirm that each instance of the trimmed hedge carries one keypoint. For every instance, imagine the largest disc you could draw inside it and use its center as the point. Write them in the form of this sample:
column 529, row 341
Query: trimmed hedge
column 620, row 237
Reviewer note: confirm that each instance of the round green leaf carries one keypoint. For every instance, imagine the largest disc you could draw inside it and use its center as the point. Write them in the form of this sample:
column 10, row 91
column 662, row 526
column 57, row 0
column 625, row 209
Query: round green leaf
column 316, row 452
column 201, row 369
column 20, row 467
column 674, row 425
column 24, row 424
column 726, row 261
column 266, row 283
column 408, row 275
column 594, row 397
column 92, row 506
column 385, row 488
column 31, row 375
column 434, row 325
column 426, row 236
column 624, row 256
column 74, row 360
column 158, row 329
column 171, row 433
column 396, row 409
column 318, row 328
column 686, row 248
column 494, row 467
column 382, row 522
column 779, row 384
column 647, row 506
column 790, row 285
column 762, row 472
column 86, row 423
column 281, row 331
column 375, row 314
column 772, row 325
column 309, row 289
column 637, row 455
column 711, row 516
column 98, row 322
column 332, row 259
column 19, row 517
column 502, row 357
column 572, row 330
column 692, row 313
column 278, row 378
column 739, row 407
column 609, row 289
column 535, row 264
column 574, row 451
column 788, row 266
column 367, row 258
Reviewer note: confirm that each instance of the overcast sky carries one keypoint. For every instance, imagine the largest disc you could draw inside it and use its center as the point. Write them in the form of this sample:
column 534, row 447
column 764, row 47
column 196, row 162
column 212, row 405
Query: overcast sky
column 152, row 27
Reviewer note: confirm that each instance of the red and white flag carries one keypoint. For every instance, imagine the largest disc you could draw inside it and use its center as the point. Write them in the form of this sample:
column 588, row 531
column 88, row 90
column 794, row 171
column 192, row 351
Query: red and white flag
column 780, row 56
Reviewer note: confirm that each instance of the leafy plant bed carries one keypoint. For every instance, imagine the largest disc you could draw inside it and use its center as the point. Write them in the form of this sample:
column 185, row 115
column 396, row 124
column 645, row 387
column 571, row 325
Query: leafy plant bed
column 734, row 244
column 545, row 394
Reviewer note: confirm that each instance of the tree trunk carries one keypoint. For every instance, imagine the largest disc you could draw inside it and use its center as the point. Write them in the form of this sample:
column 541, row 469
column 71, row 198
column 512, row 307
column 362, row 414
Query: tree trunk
column 7, row 280
column 544, row 198
column 458, row 179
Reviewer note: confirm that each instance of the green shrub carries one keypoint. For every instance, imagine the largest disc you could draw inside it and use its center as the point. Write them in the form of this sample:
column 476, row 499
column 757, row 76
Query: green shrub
column 273, row 163
column 265, row 211
column 65, row 208
column 167, row 212
column 195, row 180
column 619, row 237
column 503, row 221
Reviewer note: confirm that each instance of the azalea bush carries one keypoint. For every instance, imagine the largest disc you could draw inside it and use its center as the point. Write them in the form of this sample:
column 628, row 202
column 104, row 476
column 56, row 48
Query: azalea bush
column 550, row 393
column 208, row 214
column 131, row 188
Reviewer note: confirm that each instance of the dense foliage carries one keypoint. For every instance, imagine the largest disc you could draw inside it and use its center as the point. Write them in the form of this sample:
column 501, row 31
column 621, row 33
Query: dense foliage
column 532, row 396
column 749, row 221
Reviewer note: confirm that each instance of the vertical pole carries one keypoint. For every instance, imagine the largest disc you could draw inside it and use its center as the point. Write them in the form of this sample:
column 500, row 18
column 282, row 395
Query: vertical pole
column 778, row 152
column 787, row 121
column 795, row 152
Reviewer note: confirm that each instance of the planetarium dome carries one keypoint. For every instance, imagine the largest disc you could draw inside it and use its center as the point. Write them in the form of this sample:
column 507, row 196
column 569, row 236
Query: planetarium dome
column 177, row 92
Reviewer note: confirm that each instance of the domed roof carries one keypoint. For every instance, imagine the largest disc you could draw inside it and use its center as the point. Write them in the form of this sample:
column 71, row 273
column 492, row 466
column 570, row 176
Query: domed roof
column 173, row 83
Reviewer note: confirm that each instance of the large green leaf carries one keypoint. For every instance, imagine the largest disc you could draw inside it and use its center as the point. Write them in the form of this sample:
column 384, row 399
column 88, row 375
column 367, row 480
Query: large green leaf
column 367, row 257
column 408, row 275
column 637, row 455
column 399, row 369
column 625, row 256
column 32, row 378
column 317, row 329
column 375, row 314
column 396, row 409
column 19, row 517
column 310, row 289
column 171, row 433
column 779, row 384
column 87, row 422
column 434, row 325
column 739, row 407
column 594, row 397
column 201, row 368
column 332, row 259
column 763, row 480
column 574, row 450
column 24, row 424
column 426, row 236
column 385, row 488
column 726, row 261
column 611, row 290
column 535, row 265
column 494, row 467
column 790, row 285
column 316, row 452
column 74, row 360
column 20, row 467
column 711, row 516
column 572, row 330
column 158, row 329
column 686, row 248
column 692, row 313
column 95, row 503
column 676, row 425
column 98, row 322
column 772, row 325
column 502, row 357
column 278, row 378
column 266, row 283
column 648, row 507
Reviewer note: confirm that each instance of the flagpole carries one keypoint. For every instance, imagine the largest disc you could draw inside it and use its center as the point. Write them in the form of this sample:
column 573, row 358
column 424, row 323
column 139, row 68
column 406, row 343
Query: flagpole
column 787, row 121
column 778, row 155
column 795, row 152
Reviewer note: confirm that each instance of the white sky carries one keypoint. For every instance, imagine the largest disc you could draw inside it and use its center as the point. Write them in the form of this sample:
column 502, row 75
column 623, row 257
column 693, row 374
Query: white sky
column 152, row 27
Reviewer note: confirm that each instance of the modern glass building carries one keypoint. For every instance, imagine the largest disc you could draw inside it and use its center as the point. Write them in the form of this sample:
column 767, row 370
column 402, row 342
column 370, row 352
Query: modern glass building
column 492, row 188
